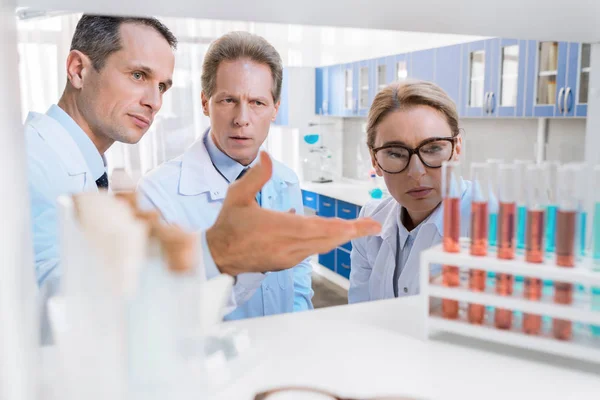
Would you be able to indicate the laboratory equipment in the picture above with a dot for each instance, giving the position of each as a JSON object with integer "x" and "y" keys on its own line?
{"x": 318, "y": 158}
{"x": 552, "y": 207}
{"x": 493, "y": 203}
{"x": 596, "y": 244}
{"x": 451, "y": 194}
{"x": 582, "y": 346}
{"x": 570, "y": 201}
{"x": 135, "y": 314}
{"x": 480, "y": 180}
{"x": 521, "y": 200}
{"x": 537, "y": 178}
{"x": 506, "y": 238}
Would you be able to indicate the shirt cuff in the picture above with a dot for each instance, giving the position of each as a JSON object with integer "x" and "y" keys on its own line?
{"x": 210, "y": 267}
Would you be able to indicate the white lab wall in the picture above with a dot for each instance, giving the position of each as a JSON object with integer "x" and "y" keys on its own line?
{"x": 509, "y": 139}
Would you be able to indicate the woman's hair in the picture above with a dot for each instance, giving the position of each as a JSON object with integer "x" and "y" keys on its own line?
{"x": 404, "y": 95}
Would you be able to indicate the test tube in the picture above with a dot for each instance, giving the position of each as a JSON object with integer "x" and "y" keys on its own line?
{"x": 538, "y": 182}
{"x": 480, "y": 190}
{"x": 493, "y": 200}
{"x": 570, "y": 199}
{"x": 596, "y": 244}
{"x": 493, "y": 211}
{"x": 451, "y": 194}
{"x": 506, "y": 238}
{"x": 521, "y": 183}
{"x": 552, "y": 207}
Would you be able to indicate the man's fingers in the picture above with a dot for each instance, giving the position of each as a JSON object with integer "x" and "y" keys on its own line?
{"x": 244, "y": 190}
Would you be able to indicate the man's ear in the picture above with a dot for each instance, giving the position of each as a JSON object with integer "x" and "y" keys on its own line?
{"x": 78, "y": 67}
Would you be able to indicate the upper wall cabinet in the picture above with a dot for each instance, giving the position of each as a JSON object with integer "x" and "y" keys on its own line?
{"x": 558, "y": 83}
{"x": 486, "y": 79}
{"x": 447, "y": 70}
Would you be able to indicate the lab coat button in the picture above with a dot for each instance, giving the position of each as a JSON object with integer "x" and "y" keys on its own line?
{"x": 405, "y": 290}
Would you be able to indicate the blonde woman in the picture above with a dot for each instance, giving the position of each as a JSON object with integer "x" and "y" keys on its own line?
{"x": 412, "y": 129}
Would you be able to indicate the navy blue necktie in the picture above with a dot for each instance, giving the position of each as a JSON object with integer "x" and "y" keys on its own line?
{"x": 258, "y": 197}
{"x": 102, "y": 182}
{"x": 242, "y": 173}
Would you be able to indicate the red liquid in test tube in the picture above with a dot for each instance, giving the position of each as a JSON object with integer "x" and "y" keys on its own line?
{"x": 451, "y": 244}
{"x": 534, "y": 253}
{"x": 566, "y": 222}
{"x": 506, "y": 251}
{"x": 479, "y": 244}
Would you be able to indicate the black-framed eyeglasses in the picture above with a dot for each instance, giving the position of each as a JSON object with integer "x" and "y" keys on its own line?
{"x": 299, "y": 393}
{"x": 395, "y": 158}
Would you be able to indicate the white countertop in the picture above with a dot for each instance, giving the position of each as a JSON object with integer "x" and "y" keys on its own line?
{"x": 376, "y": 348}
{"x": 355, "y": 192}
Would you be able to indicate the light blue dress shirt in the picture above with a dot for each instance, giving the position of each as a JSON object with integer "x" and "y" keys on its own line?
{"x": 189, "y": 191}
{"x": 61, "y": 160}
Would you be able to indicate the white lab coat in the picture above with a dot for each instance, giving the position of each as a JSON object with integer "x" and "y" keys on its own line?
{"x": 373, "y": 258}
{"x": 190, "y": 192}
{"x": 56, "y": 167}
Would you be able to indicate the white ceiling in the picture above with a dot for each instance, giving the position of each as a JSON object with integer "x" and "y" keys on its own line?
{"x": 568, "y": 20}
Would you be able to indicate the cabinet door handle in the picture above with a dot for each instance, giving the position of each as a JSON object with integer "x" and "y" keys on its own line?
{"x": 561, "y": 94}
{"x": 327, "y": 204}
{"x": 345, "y": 266}
{"x": 567, "y": 104}
{"x": 347, "y": 211}
{"x": 492, "y": 102}
{"x": 309, "y": 198}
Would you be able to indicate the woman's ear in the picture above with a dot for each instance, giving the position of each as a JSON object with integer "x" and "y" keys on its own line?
{"x": 458, "y": 147}
{"x": 378, "y": 170}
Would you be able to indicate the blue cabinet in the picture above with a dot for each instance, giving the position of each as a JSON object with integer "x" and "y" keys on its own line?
{"x": 487, "y": 78}
{"x": 422, "y": 65}
{"x": 350, "y": 79}
{"x": 347, "y": 210}
{"x": 326, "y": 207}
{"x": 309, "y": 199}
{"x": 342, "y": 263}
{"x": 328, "y": 259}
{"x": 447, "y": 70}
{"x": 322, "y": 106}
{"x": 475, "y": 95}
{"x": 284, "y": 108}
{"x": 336, "y": 90}
{"x": 364, "y": 93}
{"x": 558, "y": 84}
{"x": 547, "y": 80}
{"x": 583, "y": 77}
{"x": 509, "y": 70}
{"x": 402, "y": 67}
{"x": 577, "y": 81}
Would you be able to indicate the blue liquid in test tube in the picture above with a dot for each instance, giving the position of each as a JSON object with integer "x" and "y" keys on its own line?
{"x": 582, "y": 231}
{"x": 492, "y": 233}
{"x": 521, "y": 223}
{"x": 596, "y": 257}
{"x": 551, "y": 228}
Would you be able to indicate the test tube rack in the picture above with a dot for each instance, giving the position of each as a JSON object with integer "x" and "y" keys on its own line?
{"x": 583, "y": 346}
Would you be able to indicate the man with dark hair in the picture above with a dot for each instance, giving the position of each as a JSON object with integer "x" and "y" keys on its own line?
{"x": 117, "y": 73}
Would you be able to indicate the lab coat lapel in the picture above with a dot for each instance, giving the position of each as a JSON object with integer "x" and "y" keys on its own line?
{"x": 61, "y": 142}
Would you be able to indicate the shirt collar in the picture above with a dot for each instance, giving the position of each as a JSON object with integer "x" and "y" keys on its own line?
{"x": 227, "y": 166}
{"x": 91, "y": 155}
